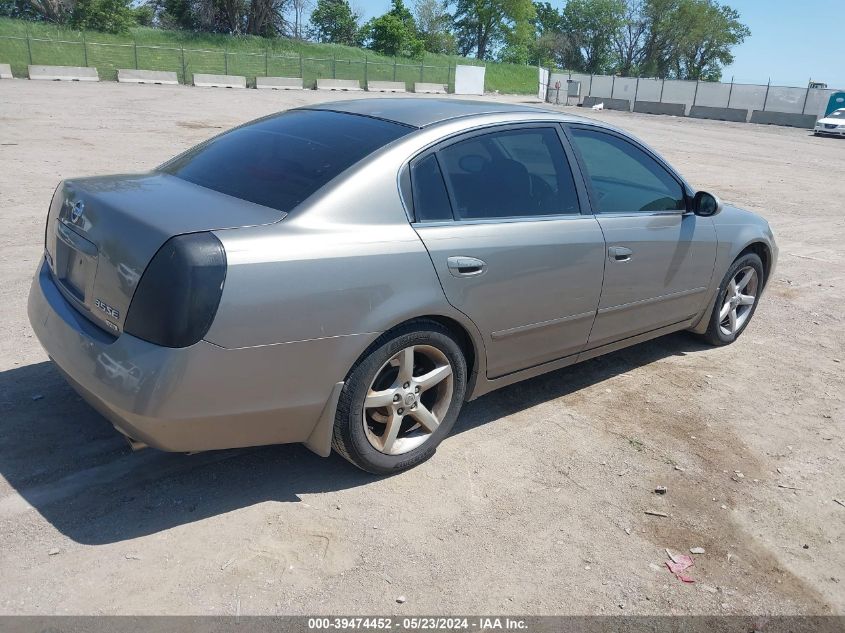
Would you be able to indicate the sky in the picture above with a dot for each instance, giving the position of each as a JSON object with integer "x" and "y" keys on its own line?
{"x": 791, "y": 41}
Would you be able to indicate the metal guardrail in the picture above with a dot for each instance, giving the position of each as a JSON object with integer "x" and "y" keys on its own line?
{"x": 108, "y": 57}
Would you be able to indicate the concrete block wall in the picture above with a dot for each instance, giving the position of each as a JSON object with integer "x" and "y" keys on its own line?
{"x": 788, "y": 100}
{"x": 602, "y": 86}
{"x": 679, "y": 92}
{"x": 649, "y": 90}
{"x": 747, "y": 97}
{"x": 625, "y": 88}
{"x": 713, "y": 95}
{"x": 722, "y": 100}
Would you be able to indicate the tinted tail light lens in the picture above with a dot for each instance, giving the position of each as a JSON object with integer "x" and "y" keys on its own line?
{"x": 177, "y": 297}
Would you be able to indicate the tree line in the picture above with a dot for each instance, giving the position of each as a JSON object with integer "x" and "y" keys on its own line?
{"x": 682, "y": 39}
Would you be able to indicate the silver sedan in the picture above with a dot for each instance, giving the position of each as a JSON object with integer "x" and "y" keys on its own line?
{"x": 347, "y": 275}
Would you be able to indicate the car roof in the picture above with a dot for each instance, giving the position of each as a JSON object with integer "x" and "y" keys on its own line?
{"x": 421, "y": 112}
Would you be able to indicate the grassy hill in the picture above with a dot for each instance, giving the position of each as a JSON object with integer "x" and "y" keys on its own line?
{"x": 22, "y": 43}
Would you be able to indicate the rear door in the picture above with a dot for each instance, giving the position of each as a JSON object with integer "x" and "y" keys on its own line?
{"x": 500, "y": 214}
{"x": 660, "y": 257}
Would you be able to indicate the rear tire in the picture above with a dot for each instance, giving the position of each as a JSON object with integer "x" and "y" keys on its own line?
{"x": 739, "y": 294}
{"x": 401, "y": 400}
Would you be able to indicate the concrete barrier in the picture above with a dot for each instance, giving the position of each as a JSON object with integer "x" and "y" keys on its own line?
{"x": 609, "y": 104}
{"x": 767, "y": 117}
{"x": 5, "y": 71}
{"x": 338, "y": 84}
{"x": 386, "y": 86}
{"x": 655, "y": 107}
{"x": 430, "y": 89}
{"x": 719, "y": 114}
{"x": 219, "y": 81}
{"x": 63, "y": 73}
{"x": 161, "y": 77}
{"x": 278, "y": 83}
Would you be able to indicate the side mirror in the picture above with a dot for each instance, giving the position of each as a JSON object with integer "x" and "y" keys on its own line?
{"x": 706, "y": 204}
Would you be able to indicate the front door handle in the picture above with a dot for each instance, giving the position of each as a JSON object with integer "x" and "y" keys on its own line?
{"x": 461, "y": 266}
{"x": 619, "y": 254}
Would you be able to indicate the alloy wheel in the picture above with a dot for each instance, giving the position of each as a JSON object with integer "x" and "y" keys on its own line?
{"x": 407, "y": 400}
{"x": 739, "y": 299}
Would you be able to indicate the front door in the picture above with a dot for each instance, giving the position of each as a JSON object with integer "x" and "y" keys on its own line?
{"x": 660, "y": 258}
{"x": 500, "y": 216}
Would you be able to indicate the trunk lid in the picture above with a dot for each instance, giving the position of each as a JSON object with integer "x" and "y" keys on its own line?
{"x": 102, "y": 232}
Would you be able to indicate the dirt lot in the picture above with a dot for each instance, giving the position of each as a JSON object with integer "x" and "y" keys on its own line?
{"x": 534, "y": 506}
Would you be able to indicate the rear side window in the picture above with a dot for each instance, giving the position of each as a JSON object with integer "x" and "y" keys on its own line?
{"x": 624, "y": 177}
{"x": 431, "y": 202}
{"x": 513, "y": 173}
{"x": 280, "y": 160}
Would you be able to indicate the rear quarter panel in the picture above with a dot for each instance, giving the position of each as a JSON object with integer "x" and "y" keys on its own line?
{"x": 345, "y": 264}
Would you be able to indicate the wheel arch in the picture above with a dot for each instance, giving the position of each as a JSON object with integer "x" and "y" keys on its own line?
{"x": 465, "y": 334}
{"x": 762, "y": 250}
{"x": 756, "y": 246}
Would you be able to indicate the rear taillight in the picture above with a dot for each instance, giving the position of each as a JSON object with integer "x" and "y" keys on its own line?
{"x": 50, "y": 210}
{"x": 178, "y": 294}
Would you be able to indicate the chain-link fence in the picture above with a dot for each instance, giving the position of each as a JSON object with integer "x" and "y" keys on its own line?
{"x": 107, "y": 58}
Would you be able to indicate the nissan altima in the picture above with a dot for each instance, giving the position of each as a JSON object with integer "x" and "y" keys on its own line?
{"x": 347, "y": 275}
{"x": 833, "y": 124}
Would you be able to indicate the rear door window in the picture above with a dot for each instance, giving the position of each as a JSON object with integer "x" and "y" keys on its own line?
{"x": 431, "y": 202}
{"x": 510, "y": 174}
{"x": 280, "y": 160}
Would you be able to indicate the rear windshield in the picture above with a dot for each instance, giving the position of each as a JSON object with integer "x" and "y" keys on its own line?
{"x": 280, "y": 160}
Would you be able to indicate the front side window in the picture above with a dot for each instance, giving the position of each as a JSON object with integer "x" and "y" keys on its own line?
{"x": 279, "y": 161}
{"x": 624, "y": 177}
{"x": 513, "y": 173}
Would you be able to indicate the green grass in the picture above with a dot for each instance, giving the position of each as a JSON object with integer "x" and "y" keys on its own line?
{"x": 155, "y": 49}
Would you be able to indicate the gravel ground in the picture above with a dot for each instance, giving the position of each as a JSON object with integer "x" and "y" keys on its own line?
{"x": 534, "y": 506}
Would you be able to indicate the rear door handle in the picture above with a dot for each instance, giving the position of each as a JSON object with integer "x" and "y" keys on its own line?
{"x": 619, "y": 253}
{"x": 461, "y": 266}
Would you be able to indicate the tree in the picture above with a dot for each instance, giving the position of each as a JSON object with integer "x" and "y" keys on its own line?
{"x": 264, "y": 17}
{"x": 629, "y": 39}
{"x": 26, "y": 10}
{"x": 334, "y": 21}
{"x": 659, "y": 41}
{"x": 174, "y": 14}
{"x": 299, "y": 8}
{"x": 57, "y": 11}
{"x": 394, "y": 33}
{"x": 705, "y": 44}
{"x": 593, "y": 24}
{"x": 111, "y": 16}
{"x": 481, "y": 25}
{"x": 553, "y": 43}
{"x": 144, "y": 15}
{"x": 689, "y": 39}
{"x": 434, "y": 25}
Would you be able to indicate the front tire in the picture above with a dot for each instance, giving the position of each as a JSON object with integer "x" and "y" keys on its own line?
{"x": 739, "y": 295}
{"x": 401, "y": 400}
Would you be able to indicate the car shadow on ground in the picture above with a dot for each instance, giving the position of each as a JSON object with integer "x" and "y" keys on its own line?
{"x": 64, "y": 460}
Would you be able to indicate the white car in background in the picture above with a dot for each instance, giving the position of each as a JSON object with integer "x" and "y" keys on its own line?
{"x": 833, "y": 124}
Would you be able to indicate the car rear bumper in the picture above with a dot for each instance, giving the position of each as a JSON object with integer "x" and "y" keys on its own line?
{"x": 196, "y": 398}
